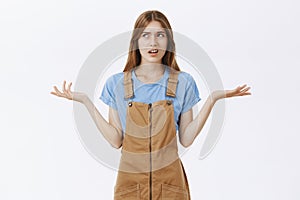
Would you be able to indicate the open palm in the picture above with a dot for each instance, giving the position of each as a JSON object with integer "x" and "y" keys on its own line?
{"x": 68, "y": 94}
{"x": 239, "y": 91}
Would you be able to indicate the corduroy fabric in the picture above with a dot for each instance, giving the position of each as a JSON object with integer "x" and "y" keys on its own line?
{"x": 150, "y": 168}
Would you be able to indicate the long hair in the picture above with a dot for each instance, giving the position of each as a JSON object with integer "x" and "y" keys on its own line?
{"x": 134, "y": 56}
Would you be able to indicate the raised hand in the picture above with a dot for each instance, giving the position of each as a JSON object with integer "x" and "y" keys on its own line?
{"x": 238, "y": 91}
{"x": 68, "y": 94}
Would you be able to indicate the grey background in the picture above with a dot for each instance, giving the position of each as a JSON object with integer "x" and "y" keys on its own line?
{"x": 43, "y": 43}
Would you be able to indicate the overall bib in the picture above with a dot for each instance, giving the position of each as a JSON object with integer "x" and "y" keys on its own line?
{"x": 150, "y": 168}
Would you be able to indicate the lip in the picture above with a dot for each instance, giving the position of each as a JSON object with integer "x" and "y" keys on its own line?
{"x": 153, "y": 50}
{"x": 153, "y": 54}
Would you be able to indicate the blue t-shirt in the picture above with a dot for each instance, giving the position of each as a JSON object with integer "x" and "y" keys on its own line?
{"x": 187, "y": 94}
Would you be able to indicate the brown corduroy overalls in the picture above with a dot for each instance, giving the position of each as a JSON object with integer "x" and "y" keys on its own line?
{"x": 150, "y": 168}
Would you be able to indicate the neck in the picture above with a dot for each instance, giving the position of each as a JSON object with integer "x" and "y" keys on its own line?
{"x": 150, "y": 69}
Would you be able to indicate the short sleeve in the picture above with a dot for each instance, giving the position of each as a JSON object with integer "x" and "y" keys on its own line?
{"x": 191, "y": 96}
{"x": 108, "y": 93}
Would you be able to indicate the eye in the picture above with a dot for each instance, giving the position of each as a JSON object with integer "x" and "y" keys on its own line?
{"x": 161, "y": 35}
{"x": 145, "y": 35}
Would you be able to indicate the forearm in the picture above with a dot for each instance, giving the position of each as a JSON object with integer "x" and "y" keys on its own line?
{"x": 194, "y": 127}
{"x": 110, "y": 133}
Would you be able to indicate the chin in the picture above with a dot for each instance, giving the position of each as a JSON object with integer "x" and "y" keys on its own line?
{"x": 157, "y": 61}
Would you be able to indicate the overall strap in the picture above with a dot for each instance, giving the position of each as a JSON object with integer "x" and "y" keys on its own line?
{"x": 172, "y": 82}
{"x": 128, "y": 87}
{"x": 171, "y": 88}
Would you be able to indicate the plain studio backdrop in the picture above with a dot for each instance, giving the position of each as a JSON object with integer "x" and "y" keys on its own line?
{"x": 255, "y": 42}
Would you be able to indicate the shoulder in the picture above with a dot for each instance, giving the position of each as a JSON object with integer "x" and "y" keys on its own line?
{"x": 114, "y": 79}
{"x": 185, "y": 78}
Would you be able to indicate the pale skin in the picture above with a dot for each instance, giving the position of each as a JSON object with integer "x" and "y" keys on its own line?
{"x": 150, "y": 70}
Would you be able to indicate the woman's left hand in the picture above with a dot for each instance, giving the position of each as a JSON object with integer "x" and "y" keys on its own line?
{"x": 238, "y": 91}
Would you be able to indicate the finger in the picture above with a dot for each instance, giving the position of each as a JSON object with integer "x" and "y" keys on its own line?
{"x": 246, "y": 89}
{"x": 64, "y": 86}
{"x": 57, "y": 91}
{"x": 54, "y": 93}
{"x": 243, "y": 94}
{"x": 69, "y": 90}
{"x": 243, "y": 86}
{"x": 69, "y": 87}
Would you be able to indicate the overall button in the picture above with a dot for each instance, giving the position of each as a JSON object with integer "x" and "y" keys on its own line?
{"x": 130, "y": 104}
{"x": 169, "y": 102}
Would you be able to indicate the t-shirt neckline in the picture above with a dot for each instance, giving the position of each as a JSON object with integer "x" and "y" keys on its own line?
{"x": 157, "y": 82}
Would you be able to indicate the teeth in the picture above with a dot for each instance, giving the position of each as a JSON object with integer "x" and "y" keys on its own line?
{"x": 153, "y": 51}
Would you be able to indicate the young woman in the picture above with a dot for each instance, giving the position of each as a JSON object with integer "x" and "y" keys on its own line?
{"x": 148, "y": 103}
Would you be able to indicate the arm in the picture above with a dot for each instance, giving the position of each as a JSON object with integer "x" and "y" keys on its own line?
{"x": 111, "y": 131}
{"x": 189, "y": 128}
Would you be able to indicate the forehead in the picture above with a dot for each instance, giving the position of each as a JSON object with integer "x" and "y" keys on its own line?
{"x": 154, "y": 26}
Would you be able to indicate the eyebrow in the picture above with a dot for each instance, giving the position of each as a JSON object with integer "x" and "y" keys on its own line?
{"x": 156, "y": 32}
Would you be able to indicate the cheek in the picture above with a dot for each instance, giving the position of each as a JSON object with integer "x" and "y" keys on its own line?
{"x": 164, "y": 44}
{"x": 140, "y": 47}
{"x": 141, "y": 44}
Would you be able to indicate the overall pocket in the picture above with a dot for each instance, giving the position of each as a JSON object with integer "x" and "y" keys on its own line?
{"x": 131, "y": 192}
{"x": 173, "y": 192}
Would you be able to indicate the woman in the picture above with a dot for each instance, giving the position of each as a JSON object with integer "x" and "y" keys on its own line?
{"x": 148, "y": 102}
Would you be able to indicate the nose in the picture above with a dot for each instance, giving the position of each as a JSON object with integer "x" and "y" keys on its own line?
{"x": 153, "y": 41}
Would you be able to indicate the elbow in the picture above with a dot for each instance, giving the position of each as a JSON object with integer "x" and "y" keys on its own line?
{"x": 116, "y": 146}
{"x": 117, "y": 143}
{"x": 185, "y": 144}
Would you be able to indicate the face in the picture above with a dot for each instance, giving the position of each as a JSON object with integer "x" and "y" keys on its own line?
{"x": 153, "y": 43}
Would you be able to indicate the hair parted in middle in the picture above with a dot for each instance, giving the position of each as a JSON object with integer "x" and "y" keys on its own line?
{"x": 134, "y": 56}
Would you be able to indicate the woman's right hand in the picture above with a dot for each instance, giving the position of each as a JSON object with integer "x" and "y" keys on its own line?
{"x": 68, "y": 94}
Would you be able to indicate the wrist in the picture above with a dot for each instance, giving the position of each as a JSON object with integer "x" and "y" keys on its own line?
{"x": 218, "y": 94}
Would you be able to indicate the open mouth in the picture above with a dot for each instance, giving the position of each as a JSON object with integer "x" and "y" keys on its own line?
{"x": 153, "y": 51}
